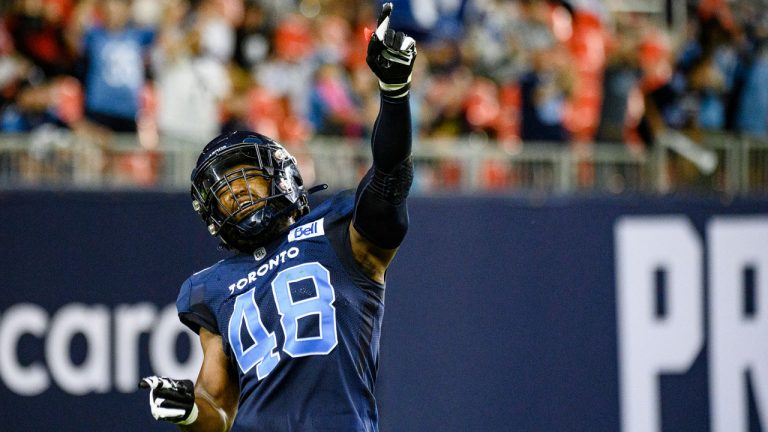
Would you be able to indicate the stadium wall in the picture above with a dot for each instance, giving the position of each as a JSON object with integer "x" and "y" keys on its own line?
{"x": 570, "y": 314}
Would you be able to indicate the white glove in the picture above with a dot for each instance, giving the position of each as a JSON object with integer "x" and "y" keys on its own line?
{"x": 171, "y": 400}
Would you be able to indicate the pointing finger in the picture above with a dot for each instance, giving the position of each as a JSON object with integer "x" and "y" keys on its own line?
{"x": 386, "y": 10}
{"x": 383, "y": 21}
{"x": 149, "y": 383}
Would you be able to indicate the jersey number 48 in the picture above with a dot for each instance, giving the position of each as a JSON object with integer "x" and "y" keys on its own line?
{"x": 262, "y": 353}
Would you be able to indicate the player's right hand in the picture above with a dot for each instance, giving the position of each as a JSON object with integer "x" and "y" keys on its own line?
{"x": 390, "y": 56}
{"x": 170, "y": 399}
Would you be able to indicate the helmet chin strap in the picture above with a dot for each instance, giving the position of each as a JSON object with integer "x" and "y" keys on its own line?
{"x": 317, "y": 188}
{"x": 265, "y": 219}
{"x": 297, "y": 204}
{"x": 254, "y": 220}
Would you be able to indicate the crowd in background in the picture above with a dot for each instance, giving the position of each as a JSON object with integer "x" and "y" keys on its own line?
{"x": 572, "y": 72}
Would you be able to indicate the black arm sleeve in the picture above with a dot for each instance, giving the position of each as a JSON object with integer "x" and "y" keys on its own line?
{"x": 391, "y": 137}
{"x": 381, "y": 214}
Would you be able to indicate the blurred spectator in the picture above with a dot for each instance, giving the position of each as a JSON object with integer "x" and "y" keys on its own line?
{"x": 216, "y": 32}
{"x": 190, "y": 78}
{"x": 253, "y": 36}
{"x": 493, "y": 45}
{"x": 20, "y": 110}
{"x": 34, "y": 63}
{"x": 752, "y": 111}
{"x": 544, "y": 91}
{"x": 582, "y": 34}
{"x": 446, "y": 89}
{"x": 331, "y": 36}
{"x": 656, "y": 85}
{"x": 288, "y": 71}
{"x": 115, "y": 53}
{"x": 708, "y": 62}
{"x": 37, "y": 29}
{"x": 534, "y": 25}
{"x": 708, "y": 92}
{"x": 620, "y": 78}
{"x": 365, "y": 88}
{"x": 333, "y": 108}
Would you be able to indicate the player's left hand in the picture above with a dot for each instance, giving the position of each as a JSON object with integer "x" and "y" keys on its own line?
{"x": 390, "y": 56}
{"x": 170, "y": 399}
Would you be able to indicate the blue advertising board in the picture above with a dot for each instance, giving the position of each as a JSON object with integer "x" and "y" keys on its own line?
{"x": 503, "y": 314}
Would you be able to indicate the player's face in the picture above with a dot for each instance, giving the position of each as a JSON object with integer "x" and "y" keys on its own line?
{"x": 241, "y": 191}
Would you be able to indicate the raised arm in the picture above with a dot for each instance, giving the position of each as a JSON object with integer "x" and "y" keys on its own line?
{"x": 208, "y": 405}
{"x": 380, "y": 219}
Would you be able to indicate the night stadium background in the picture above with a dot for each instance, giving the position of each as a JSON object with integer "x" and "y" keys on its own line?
{"x": 587, "y": 249}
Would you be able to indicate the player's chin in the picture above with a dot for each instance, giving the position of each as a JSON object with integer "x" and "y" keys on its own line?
{"x": 245, "y": 213}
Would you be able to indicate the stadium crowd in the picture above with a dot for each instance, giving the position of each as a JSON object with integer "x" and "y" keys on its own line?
{"x": 571, "y": 72}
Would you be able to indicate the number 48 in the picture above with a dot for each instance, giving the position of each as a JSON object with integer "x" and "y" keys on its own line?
{"x": 262, "y": 352}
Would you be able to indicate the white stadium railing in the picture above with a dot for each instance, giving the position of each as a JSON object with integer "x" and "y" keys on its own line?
{"x": 720, "y": 164}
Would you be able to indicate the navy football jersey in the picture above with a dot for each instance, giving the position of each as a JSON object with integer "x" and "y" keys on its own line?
{"x": 301, "y": 324}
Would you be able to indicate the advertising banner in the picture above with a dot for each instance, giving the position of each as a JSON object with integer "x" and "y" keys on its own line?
{"x": 502, "y": 314}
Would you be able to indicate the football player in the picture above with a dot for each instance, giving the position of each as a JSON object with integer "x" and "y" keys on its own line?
{"x": 290, "y": 324}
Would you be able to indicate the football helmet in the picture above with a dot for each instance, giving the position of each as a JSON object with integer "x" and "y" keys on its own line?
{"x": 243, "y": 155}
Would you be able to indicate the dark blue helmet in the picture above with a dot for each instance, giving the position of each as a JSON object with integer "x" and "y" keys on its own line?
{"x": 244, "y": 155}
